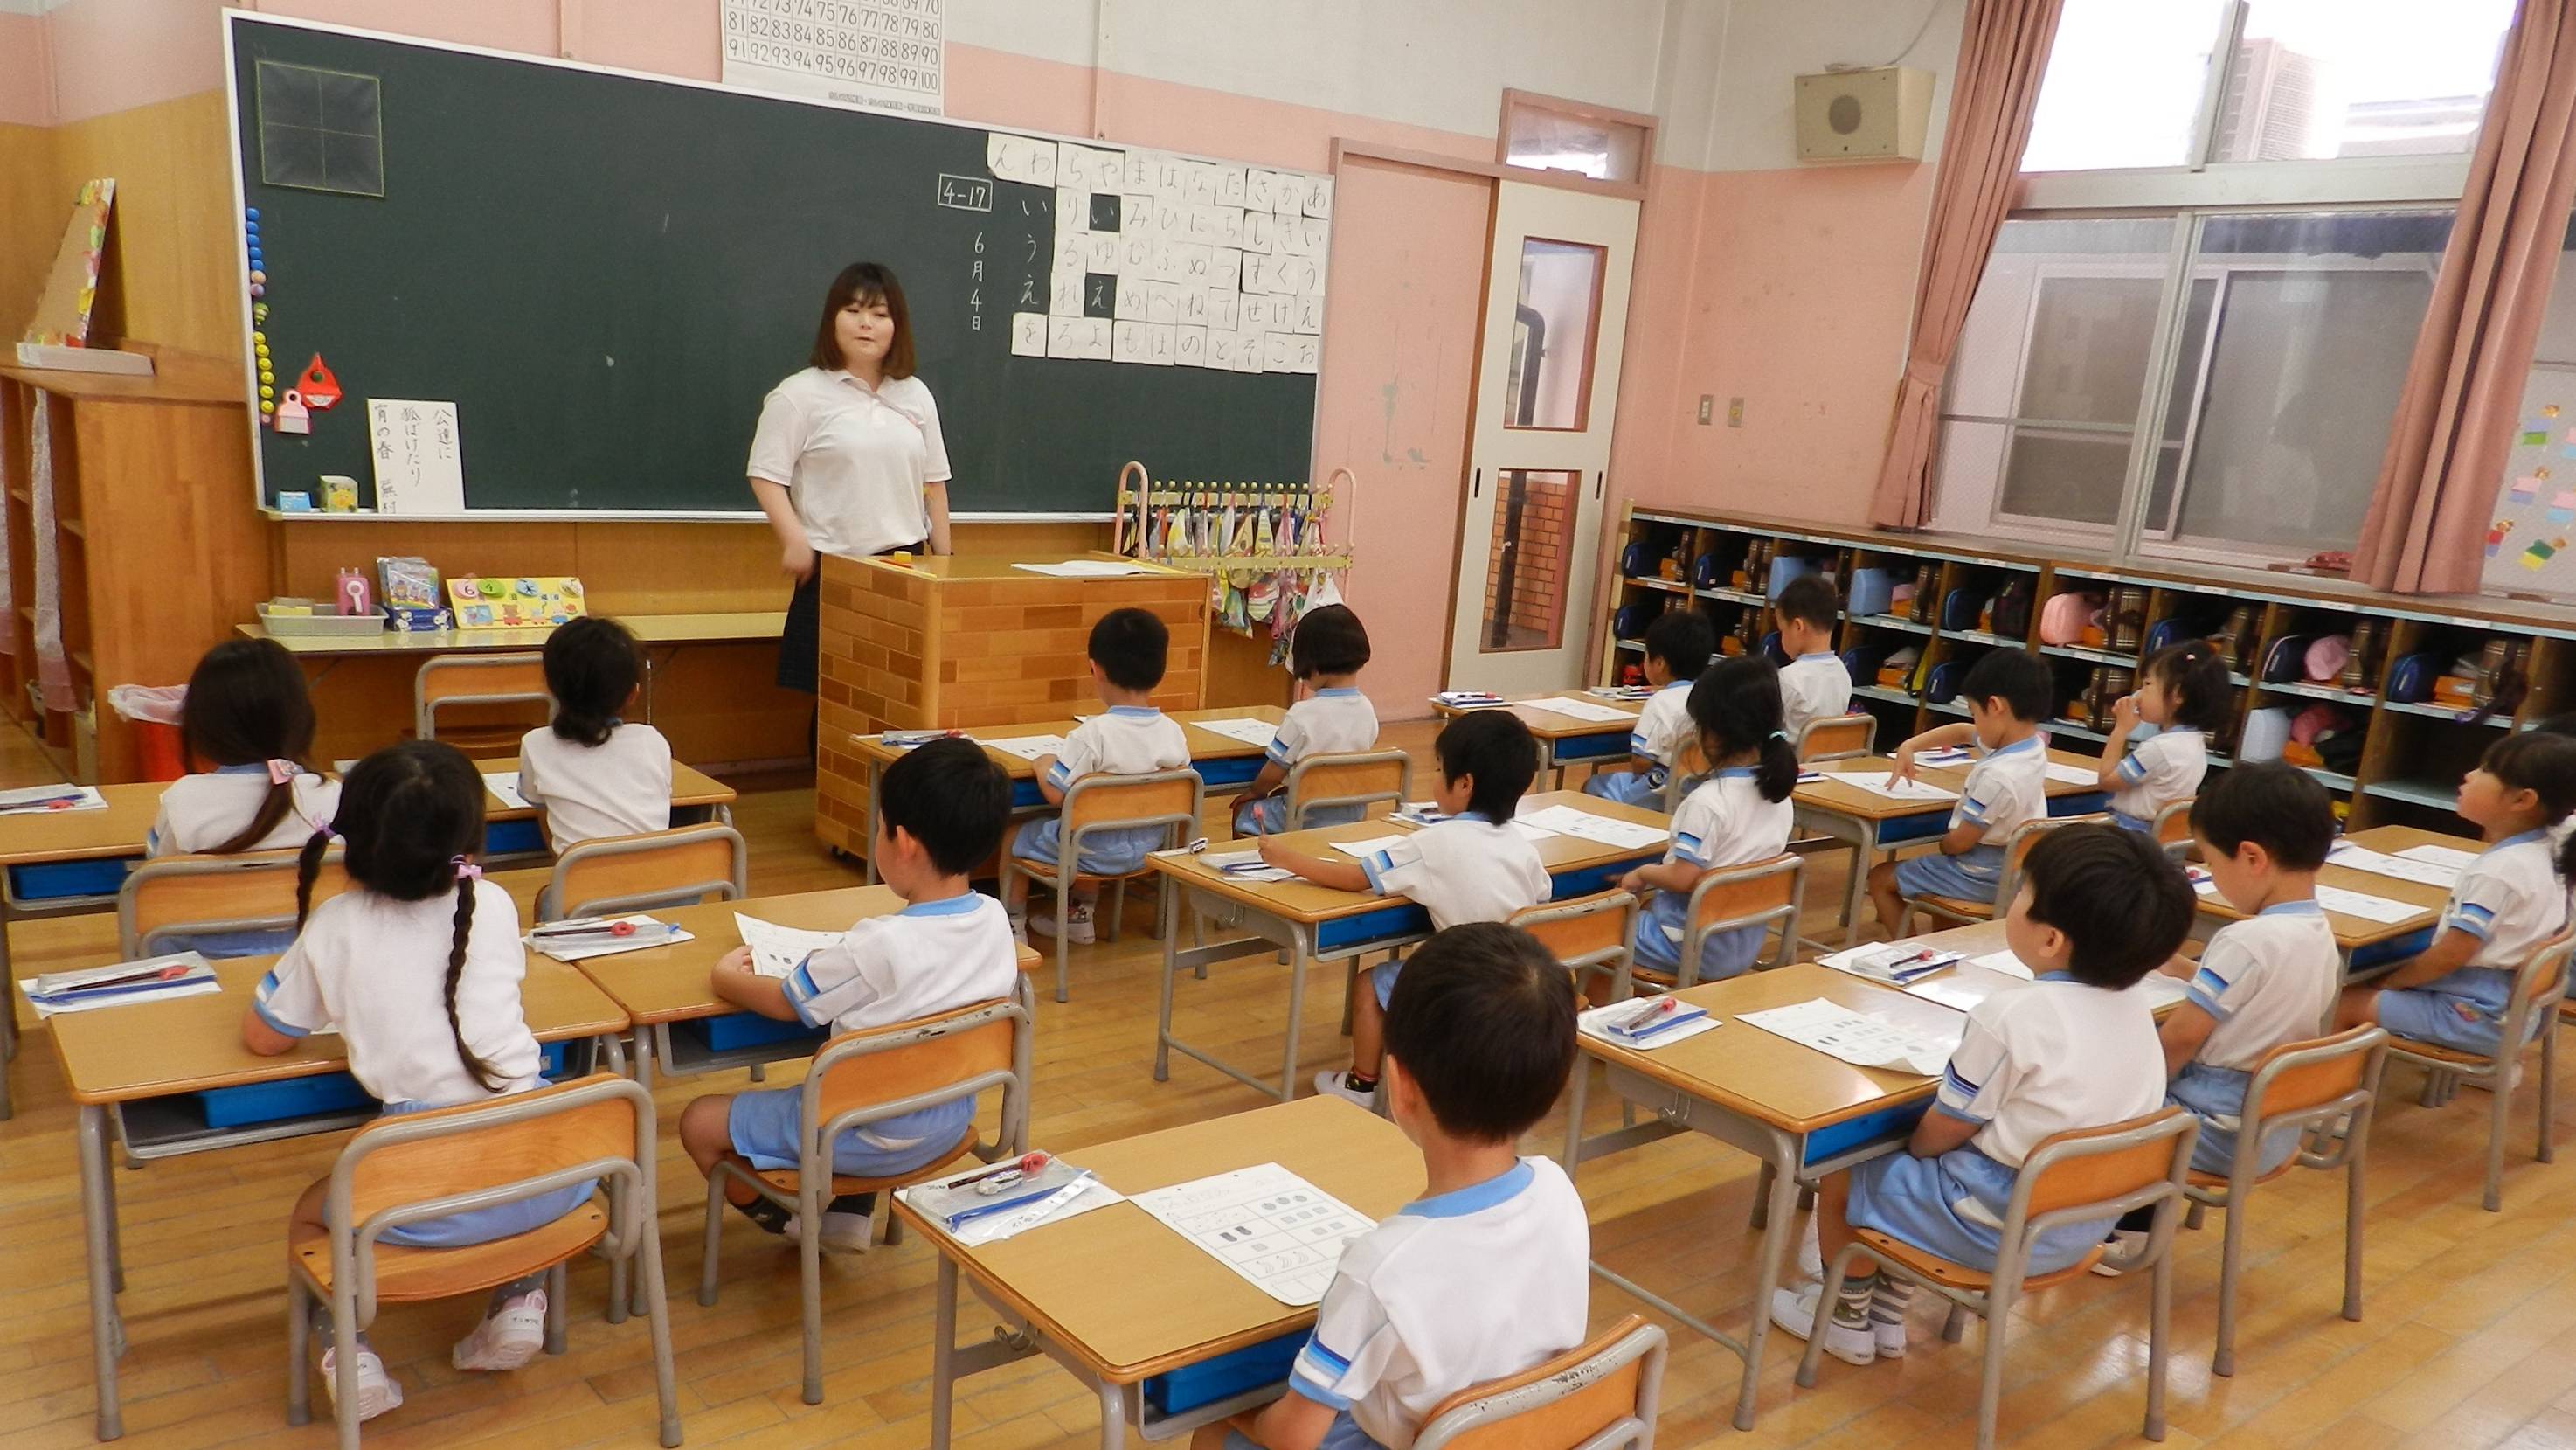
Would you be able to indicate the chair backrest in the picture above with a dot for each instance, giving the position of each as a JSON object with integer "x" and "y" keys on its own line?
{"x": 1591, "y": 1397}
{"x": 2542, "y": 977}
{"x": 449, "y": 680}
{"x": 1690, "y": 762}
{"x": 2017, "y": 850}
{"x": 1166, "y": 797}
{"x": 2173, "y": 828}
{"x": 617, "y": 874}
{"x": 881, "y": 1072}
{"x": 1733, "y": 897}
{"x": 2111, "y": 1169}
{"x": 2306, "y": 1077}
{"x": 188, "y": 896}
{"x": 1360, "y": 778}
{"x": 1586, "y": 934}
{"x": 1837, "y": 737}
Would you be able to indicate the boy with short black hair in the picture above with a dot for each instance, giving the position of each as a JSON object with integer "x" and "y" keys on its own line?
{"x": 1678, "y": 645}
{"x": 1486, "y": 1274}
{"x": 940, "y": 811}
{"x": 1814, "y": 685}
{"x": 2099, "y": 908}
{"x": 1128, "y": 648}
{"x": 1469, "y": 867}
{"x": 2007, "y": 695}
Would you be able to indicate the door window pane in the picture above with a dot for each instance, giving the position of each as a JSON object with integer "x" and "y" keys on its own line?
{"x": 1549, "y": 384}
{"x": 2124, "y": 84}
{"x": 2315, "y": 79}
{"x": 1547, "y": 137}
{"x": 1530, "y": 558}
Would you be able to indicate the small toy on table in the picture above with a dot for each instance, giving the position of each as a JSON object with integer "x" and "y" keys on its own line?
{"x": 516, "y": 603}
{"x": 407, "y": 591}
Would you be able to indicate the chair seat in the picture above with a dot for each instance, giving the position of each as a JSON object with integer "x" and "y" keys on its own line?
{"x": 2422, "y": 1051}
{"x": 409, "y": 1275}
{"x": 1958, "y": 906}
{"x": 783, "y": 1180}
{"x": 2198, "y": 1179}
{"x": 1959, "y": 1276}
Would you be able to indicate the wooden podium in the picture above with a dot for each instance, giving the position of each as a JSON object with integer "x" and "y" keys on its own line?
{"x": 968, "y": 642}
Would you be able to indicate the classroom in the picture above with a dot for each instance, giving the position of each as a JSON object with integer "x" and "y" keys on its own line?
{"x": 1470, "y": 723}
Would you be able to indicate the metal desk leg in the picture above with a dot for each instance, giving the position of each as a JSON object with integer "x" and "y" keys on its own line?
{"x": 1171, "y": 965}
{"x": 98, "y": 1213}
{"x": 943, "y": 1348}
{"x": 1864, "y": 839}
{"x": 1113, "y": 1416}
{"x": 1782, "y": 1170}
{"x": 618, "y": 1264}
{"x": 1300, "y": 960}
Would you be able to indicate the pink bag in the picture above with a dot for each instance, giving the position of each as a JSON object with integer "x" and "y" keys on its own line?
{"x": 2326, "y": 657}
{"x": 2062, "y": 620}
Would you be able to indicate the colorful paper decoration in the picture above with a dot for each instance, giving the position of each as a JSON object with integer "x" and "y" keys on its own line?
{"x": 319, "y": 387}
{"x": 2495, "y": 536}
{"x": 62, "y": 314}
{"x": 506, "y": 603}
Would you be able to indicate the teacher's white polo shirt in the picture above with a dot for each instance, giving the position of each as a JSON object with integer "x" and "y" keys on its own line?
{"x": 854, "y": 458}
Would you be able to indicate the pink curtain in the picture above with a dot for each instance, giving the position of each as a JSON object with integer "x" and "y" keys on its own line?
{"x": 2446, "y": 450}
{"x": 2003, "y": 52}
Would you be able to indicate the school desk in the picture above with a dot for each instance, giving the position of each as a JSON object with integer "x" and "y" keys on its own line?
{"x": 1872, "y": 823}
{"x": 1564, "y": 739}
{"x": 137, "y": 1072}
{"x": 667, "y": 633}
{"x": 2370, "y": 946}
{"x": 1227, "y": 765}
{"x": 1318, "y": 924}
{"x": 1116, "y": 1298}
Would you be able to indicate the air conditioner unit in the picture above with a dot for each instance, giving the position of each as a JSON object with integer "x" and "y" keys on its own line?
{"x": 1864, "y": 115}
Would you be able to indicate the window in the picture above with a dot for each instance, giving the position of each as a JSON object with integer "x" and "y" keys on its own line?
{"x": 2124, "y": 84}
{"x": 1550, "y": 382}
{"x": 1546, "y": 134}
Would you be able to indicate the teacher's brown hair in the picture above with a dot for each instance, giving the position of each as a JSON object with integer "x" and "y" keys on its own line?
{"x": 859, "y": 284}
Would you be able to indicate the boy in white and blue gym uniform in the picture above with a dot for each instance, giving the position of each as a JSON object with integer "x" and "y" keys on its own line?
{"x": 1326, "y": 655}
{"x": 1487, "y": 1273}
{"x": 1128, "y": 649}
{"x": 1678, "y": 645}
{"x": 2099, "y": 908}
{"x": 940, "y": 812}
{"x": 2007, "y": 694}
{"x": 1469, "y": 867}
{"x": 1814, "y": 684}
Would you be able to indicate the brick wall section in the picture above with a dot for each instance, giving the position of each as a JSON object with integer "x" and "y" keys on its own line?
{"x": 1539, "y": 583}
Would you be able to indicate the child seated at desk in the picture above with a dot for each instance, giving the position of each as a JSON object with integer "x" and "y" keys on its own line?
{"x": 2509, "y": 900}
{"x": 1678, "y": 645}
{"x": 2263, "y": 831}
{"x": 2099, "y": 908}
{"x": 2184, "y": 694}
{"x": 1128, "y": 648}
{"x": 594, "y": 774}
{"x": 1739, "y": 815}
{"x": 2006, "y": 692}
{"x": 418, "y": 965}
{"x": 1471, "y": 866}
{"x": 247, "y": 715}
{"x": 1326, "y": 655}
{"x": 1488, "y": 1272}
{"x": 940, "y": 813}
{"x": 1815, "y": 684}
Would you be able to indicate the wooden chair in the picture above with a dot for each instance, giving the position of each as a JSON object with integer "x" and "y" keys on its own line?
{"x": 2327, "y": 1088}
{"x": 866, "y": 1077}
{"x": 1959, "y": 911}
{"x": 1835, "y": 737}
{"x": 169, "y": 899}
{"x": 1689, "y": 765}
{"x": 2538, "y": 986}
{"x": 1169, "y": 799}
{"x": 2073, "y": 1177}
{"x": 1598, "y": 1396}
{"x": 614, "y": 875}
{"x": 449, "y": 682}
{"x": 1363, "y": 778}
{"x": 1589, "y": 936}
{"x": 1731, "y": 898}
{"x": 417, "y": 1166}
{"x": 2172, "y": 829}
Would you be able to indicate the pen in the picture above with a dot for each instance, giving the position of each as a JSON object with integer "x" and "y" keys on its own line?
{"x": 1648, "y": 1013}
{"x": 1030, "y": 1162}
{"x": 145, "y": 977}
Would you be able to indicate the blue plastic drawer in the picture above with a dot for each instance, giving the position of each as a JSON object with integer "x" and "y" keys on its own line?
{"x": 1868, "y": 1128}
{"x": 1567, "y": 885}
{"x": 330, "y": 1092}
{"x": 60, "y": 880}
{"x": 1902, "y": 829}
{"x": 1249, "y": 1368}
{"x": 1025, "y": 793}
{"x": 2395, "y": 949}
{"x": 1593, "y": 747}
{"x": 2079, "y": 805}
{"x": 750, "y": 1029}
{"x": 514, "y": 838}
{"x": 1398, "y": 917}
{"x": 1231, "y": 770}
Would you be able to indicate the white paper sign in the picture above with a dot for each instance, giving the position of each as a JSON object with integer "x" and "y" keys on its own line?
{"x": 419, "y": 456}
{"x": 887, "y": 54}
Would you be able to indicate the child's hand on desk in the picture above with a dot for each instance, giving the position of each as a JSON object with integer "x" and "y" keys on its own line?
{"x": 736, "y": 961}
{"x": 1270, "y": 854}
{"x": 1634, "y": 882}
{"x": 1904, "y": 767}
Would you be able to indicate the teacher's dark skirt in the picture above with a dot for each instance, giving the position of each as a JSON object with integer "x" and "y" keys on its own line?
{"x": 799, "y": 643}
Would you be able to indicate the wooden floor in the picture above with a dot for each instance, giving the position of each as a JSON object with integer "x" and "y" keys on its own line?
{"x": 2469, "y": 1339}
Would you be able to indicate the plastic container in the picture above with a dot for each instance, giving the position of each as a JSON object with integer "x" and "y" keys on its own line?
{"x": 1249, "y": 1368}
{"x": 153, "y": 711}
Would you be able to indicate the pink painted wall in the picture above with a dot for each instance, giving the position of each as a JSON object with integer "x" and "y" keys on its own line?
{"x": 26, "y": 91}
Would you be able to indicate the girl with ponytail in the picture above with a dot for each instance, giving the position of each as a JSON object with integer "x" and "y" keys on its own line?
{"x": 594, "y": 774}
{"x": 2182, "y": 698}
{"x": 418, "y": 965}
{"x": 1739, "y": 814}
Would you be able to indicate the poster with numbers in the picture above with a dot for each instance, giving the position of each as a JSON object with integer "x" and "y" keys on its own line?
{"x": 888, "y": 54}
{"x": 2535, "y": 510}
{"x": 1164, "y": 260}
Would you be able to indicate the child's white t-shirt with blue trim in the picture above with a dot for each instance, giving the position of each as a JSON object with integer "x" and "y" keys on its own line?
{"x": 1462, "y": 869}
{"x": 2004, "y": 788}
{"x": 2269, "y": 979}
{"x": 1124, "y": 740}
{"x": 1663, "y": 726}
{"x": 2050, "y": 1056}
{"x": 200, "y": 812}
{"x": 2511, "y": 900}
{"x": 2163, "y": 768}
{"x": 619, "y": 787}
{"x": 1813, "y": 687}
{"x": 1723, "y": 822}
{"x": 1452, "y": 1291}
{"x": 1329, "y": 722}
{"x": 931, "y": 957}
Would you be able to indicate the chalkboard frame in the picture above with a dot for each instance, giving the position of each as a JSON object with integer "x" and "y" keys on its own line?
{"x": 232, "y": 19}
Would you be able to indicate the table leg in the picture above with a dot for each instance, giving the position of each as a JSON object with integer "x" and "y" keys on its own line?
{"x": 651, "y": 1216}
{"x": 1864, "y": 839}
{"x": 1778, "y": 1208}
{"x": 98, "y": 1212}
{"x": 1113, "y": 1416}
{"x": 943, "y": 1352}
{"x": 1171, "y": 968}
{"x": 1300, "y": 959}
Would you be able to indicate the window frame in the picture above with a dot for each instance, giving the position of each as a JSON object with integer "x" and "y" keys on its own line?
{"x": 1517, "y": 101}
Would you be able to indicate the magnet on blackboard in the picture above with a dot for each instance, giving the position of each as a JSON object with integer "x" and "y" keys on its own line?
{"x": 320, "y": 388}
{"x": 291, "y": 416}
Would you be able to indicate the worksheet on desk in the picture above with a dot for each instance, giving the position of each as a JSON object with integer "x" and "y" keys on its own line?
{"x": 2074, "y": 774}
{"x": 1243, "y": 728}
{"x": 778, "y": 950}
{"x": 2417, "y": 869}
{"x": 504, "y": 786}
{"x": 1859, "y": 1038}
{"x": 1605, "y": 830}
{"x": 1877, "y": 781}
{"x": 2366, "y": 906}
{"x": 1281, "y": 1233}
{"x": 1030, "y": 748}
{"x": 1580, "y": 709}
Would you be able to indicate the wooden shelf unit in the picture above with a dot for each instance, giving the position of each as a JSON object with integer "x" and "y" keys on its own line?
{"x": 2412, "y": 754}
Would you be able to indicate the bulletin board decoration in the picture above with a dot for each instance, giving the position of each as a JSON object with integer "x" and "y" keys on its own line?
{"x": 2534, "y": 522}
{"x": 63, "y": 309}
{"x": 1262, "y": 545}
{"x": 496, "y": 603}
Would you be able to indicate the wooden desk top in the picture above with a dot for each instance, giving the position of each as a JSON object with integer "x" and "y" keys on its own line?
{"x": 182, "y": 1044}
{"x": 690, "y": 787}
{"x": 669, "y": 984}
{"x": 2361, "y": 931}
{"x": 1844, "y": 800}
{"x": 1129, "y": 1298}
{"x": 1204, "y": 744}
{"x": 1305, "y": 901}
{"x": 650, "y": 629}
{"x": 1004, "y": 568}
{"x": 1548, "y": 725}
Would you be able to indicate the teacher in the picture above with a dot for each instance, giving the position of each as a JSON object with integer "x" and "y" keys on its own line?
{"x": 848, "y": 459}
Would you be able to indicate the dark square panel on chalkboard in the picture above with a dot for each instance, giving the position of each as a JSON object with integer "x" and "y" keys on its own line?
{"x": 321, "y": 130}
{"x": 1099, "y": 295}
{"x": 1104, "y": 211}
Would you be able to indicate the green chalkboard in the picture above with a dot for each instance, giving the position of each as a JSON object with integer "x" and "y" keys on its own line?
{"x": 607, "y": 273}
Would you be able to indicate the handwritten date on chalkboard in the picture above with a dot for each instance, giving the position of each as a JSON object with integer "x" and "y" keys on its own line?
{"x": 965, "y": 193}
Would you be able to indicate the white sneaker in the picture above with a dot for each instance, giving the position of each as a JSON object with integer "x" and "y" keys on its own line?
{"x": 843, "y": 1233}
{"x": 1887, "y": 1336}
{"x": 1795, "y": 1311}
{"x": 1076, "y": 926}
{"x": 2119, "y": 1251}
{"x": 507, "y": 1338}
{"x": 2513, "y": 1081}
{"x": 1337, "y": 1084}
{"x": 377, "y": 1391}
{"x": 1020, "y": 927}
